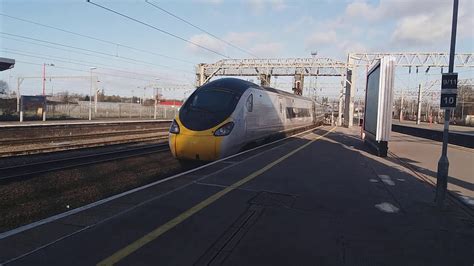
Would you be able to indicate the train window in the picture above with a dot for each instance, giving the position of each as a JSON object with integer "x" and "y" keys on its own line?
{"x": 213, "y": 100}
{"x": 292, "y": 112}
{"x": 208, "y": 107}
{"x": 249, "y": 103}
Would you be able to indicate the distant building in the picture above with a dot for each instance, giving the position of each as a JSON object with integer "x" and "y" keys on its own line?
{"x": 170, "y": 102}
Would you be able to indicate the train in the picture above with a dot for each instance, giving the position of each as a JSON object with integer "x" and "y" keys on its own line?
{"x": 226, "y": 115}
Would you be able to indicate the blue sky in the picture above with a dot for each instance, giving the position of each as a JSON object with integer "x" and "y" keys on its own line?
{"x": 266, "y": 28}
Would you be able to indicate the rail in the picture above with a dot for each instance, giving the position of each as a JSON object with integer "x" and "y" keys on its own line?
{"x": 18, "y": 172}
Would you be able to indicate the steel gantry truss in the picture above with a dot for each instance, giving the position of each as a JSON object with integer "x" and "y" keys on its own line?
{"x": 437, "y": 83}
{"x": 316, "y": 66}
{"x": 266, "y": 68}
{"x": 270, "y": 67}
{"x": 413, "y": 59}
{"x": 433, "y": 88}
{"x": 409, "y": 60}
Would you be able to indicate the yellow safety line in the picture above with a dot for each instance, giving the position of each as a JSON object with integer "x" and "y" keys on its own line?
{"x": 124, "y": 252}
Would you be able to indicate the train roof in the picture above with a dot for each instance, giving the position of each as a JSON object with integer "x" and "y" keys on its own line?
{"x": 240, "y": 86}
{"x": 283, "y": 92}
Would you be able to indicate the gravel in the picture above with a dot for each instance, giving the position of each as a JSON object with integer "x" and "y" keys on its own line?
{"x": 52, "y": 193}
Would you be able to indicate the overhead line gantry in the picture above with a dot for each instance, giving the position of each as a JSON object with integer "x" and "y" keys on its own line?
{"x": 316, "y": 66}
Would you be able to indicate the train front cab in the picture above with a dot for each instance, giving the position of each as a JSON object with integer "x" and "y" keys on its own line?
{"x": 196, "y": 145}
{"x": 203, "y": 124}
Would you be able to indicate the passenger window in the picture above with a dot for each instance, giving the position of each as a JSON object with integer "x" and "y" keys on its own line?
{"x": 249, "y": 103}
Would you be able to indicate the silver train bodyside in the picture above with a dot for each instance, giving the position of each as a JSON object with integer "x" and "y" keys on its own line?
{"x": 259, "y": 113}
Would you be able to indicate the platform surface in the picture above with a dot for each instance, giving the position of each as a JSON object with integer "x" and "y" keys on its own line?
{"x": 423, "y": 156}
{"x": 318, "y": 199}
{"x": 438, "y": 127}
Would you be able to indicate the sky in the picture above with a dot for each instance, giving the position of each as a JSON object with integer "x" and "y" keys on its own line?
{"x": 129, "y": 56}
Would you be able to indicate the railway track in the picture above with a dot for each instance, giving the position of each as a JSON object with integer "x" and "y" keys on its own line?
{"x": 19, "y": 172}
{"x": 66, "y": 146}
{"x": 52, "y": 139}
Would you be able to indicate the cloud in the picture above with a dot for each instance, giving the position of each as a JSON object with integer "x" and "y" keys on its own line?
{"x": 433, "y": 27}
{"x": 466, "y": 20}
{"x": 394, "y": 8}
{"x": 349, "y": 46}
{"x": 278, "y": 5}
{"x": 409, "y": 23}
{"x": 256, "y": 43}
{"x": 241, "y": 38}
{"x": 360, "y": 9}
{"x": 212, "y": 2}
{"x": 258, "y": 6}
{"x": 301, "y": 23}
{"x": 421, "y": 30}
{"x": 267, "y": 49}
{"x": 332, "y": 44}
{"x": 318, "y": 38}
{"x": 206, "y": 41}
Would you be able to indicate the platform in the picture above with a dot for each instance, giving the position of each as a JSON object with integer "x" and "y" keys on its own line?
{"x": 422, "y": 155}
{"x": 438, "y": 127}
{"x": 316, "y": 199}
{"x": 458, "y": 135}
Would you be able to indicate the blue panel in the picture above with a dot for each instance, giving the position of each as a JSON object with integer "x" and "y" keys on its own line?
{"x": 372, "y": 102}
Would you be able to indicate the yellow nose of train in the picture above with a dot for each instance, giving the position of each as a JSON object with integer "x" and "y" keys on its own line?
{"x": 194, "y": 145}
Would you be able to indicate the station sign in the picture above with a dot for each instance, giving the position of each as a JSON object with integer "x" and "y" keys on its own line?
{"x": 449, "y": 90}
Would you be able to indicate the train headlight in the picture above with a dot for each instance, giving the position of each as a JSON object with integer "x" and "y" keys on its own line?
{"x": 174, "y": 128}
{"x": 225, "y": 129}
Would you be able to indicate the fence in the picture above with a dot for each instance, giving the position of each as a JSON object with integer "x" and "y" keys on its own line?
{"x": 80, "y": 110}
{"x": 110, "y": 110}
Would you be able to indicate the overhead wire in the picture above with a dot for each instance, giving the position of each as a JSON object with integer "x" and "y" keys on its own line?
{"x": 85, "y": 71}
{"x": 199, "y": 28}
{"x": 96, "y": 39}
{"x": 80, "y": 62}
{"x": 94, "y": 51}
{"x": 97, "y": 72}
{"x": 158, "y": 29}
{"x": 78, "y": 52}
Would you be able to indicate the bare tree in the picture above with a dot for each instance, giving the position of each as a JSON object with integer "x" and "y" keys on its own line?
{"x": 4, "y": 87}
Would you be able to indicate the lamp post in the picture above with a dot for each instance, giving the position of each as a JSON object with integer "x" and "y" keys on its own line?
{"x": 44, "y": 89}
{"x": 314, "y": 88}
{"x": 156, "y": 97}
{"x": 139, "y": 103}
{"x": 90, "y": 96}
{"x": 95, "y": 97}
{"x": 44, "y": 77}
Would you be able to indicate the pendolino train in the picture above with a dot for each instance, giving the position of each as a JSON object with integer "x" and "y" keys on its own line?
{"x": 223, "y": 116}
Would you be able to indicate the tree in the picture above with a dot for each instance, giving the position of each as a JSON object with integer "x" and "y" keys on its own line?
{"x": 65, "y": 97}
{"x": 4, "y": 87}
{"x": 325, "y": 100}
{"x": 465, "y": 101}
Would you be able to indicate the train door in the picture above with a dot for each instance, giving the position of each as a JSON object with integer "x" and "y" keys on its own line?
{"x": 281, "y": 111}
{"x": 250, "y": 118}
